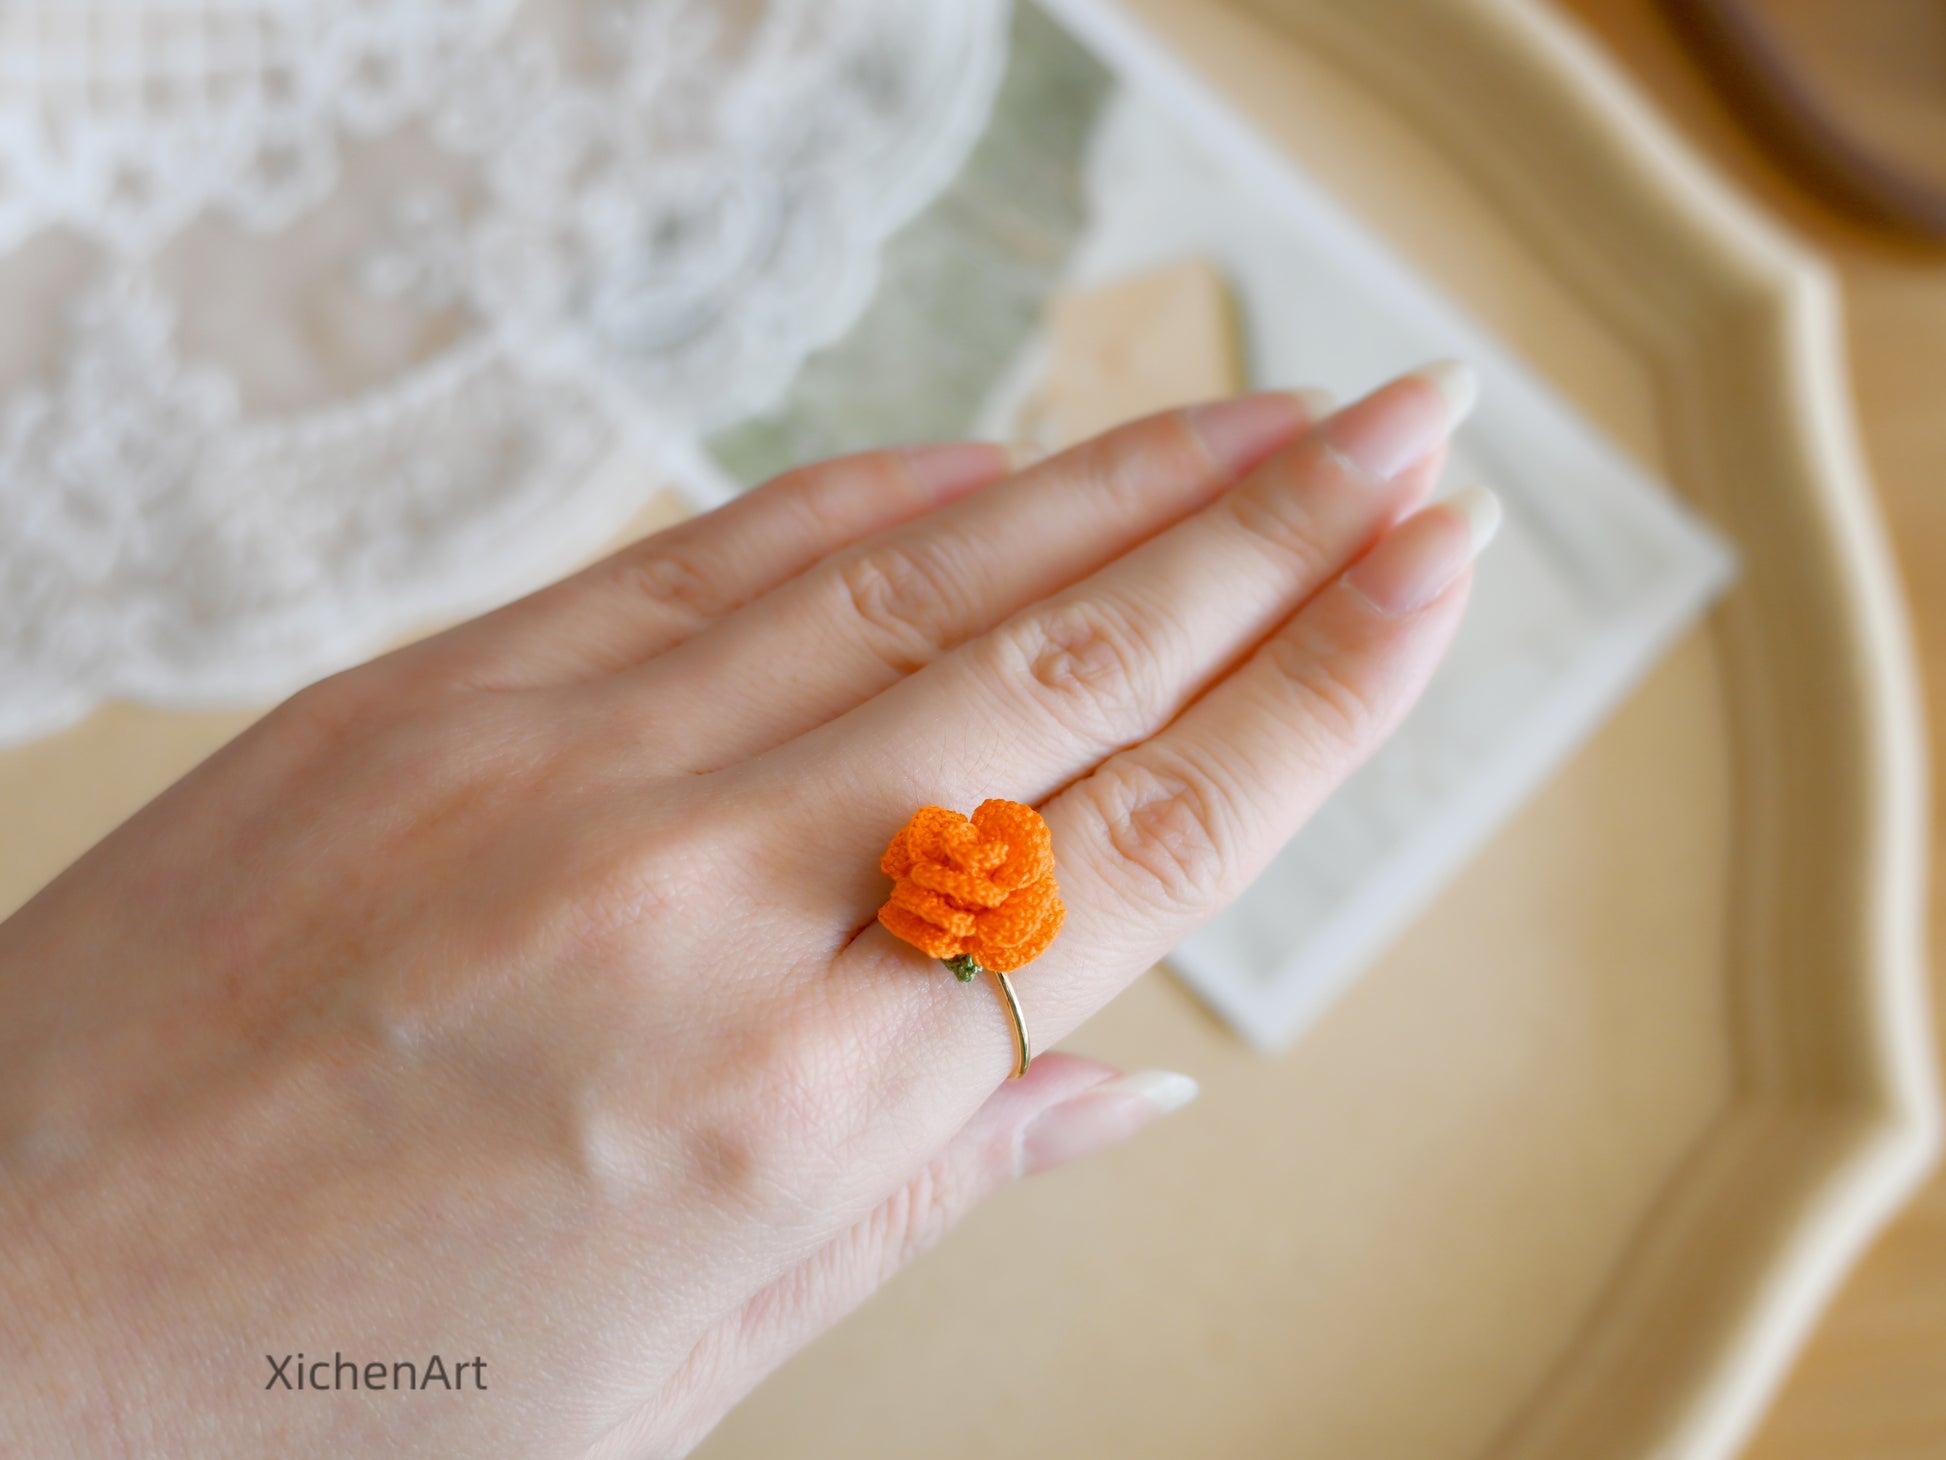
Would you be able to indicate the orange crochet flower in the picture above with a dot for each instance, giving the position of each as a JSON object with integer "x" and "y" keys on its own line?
{"x": 976, "y": 893}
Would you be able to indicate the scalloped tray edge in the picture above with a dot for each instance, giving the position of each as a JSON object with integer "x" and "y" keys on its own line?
{"x": 1771, "y": 1221}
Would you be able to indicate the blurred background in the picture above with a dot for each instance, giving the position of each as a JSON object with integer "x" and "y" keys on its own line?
{"x": 1839, "y": 131}
{"x": 1574, "y": 1068}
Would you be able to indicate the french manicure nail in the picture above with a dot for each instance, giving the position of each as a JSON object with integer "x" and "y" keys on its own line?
{"x": 1458, "y": 385}
{"x": 1316, "y": 402}
{"x": 1391, "y": 430}
{"x": 1244, "y": 429}
{"x": 1481, "y": 510}
{"x": 1424, "y": 555}
{"x": 1165, "y": 1091}
{"x": 1102, "y": 1117}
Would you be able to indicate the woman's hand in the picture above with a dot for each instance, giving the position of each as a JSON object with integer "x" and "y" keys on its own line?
{"x": 517, "y": 997}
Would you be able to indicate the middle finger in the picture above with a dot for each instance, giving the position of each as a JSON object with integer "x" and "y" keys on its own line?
{"x": 1046, "y": 696}
{"x": 866, "y": 617}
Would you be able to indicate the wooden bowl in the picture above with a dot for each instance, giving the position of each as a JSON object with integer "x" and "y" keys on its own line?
{"x": 1572, "y": 1171}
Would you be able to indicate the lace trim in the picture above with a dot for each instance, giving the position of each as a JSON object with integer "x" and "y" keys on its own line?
{"x": 615, "y": 242}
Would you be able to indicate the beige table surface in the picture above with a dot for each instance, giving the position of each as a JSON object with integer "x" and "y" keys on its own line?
{"x": 1872, "y": 1385}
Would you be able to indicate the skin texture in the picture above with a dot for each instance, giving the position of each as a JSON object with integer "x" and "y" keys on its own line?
{"x": 519, "y": 995}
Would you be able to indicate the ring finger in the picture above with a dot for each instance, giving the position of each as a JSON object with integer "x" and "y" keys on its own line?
{"x": 1045, "y": 697}
{"x": 1164, "y": 834}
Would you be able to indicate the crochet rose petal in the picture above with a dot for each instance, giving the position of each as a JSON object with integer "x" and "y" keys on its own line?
{"x": 936, "y": 910}
{"x": 982, "y": 886}
{"x": 1005, "y": 958}
{"x": 1030, "y": 846}
{"x": 921, "y": 838}
{"x": 903, "y": 923}
{"x": 1019, "y": 931}
{"x": 1020, "y": 918}
{"x": 970, "y": 890}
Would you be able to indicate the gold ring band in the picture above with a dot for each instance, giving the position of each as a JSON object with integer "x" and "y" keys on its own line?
{"x": 965, "y": 885}
{"x": 1012, "y": 1001}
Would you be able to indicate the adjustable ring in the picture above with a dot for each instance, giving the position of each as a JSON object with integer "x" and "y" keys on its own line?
{"x": 1012, "y": 1001}
{"x": 978, "y": 894}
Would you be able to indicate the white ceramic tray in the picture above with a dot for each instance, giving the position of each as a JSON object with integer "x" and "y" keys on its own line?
{"x": 1572, "y": 1170}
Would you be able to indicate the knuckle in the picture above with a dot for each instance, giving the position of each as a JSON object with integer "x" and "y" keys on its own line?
{"x": 732, "y": 1164}
{"x": 905, "y": 597}
{"x": 1090, "y": 667}
{"x": 1274, "y": 514}
{"x": 1126, "y": 465}
{"x": 740, "y": 1162}
{"x": 771, "y": 1128}
{"x": 803, "y": 1082}
{"x": 824, "y": 499}
{"x": 323, "y": 711}
{"x": 796, "y": 1080}
{"x": 665, "y": 575}
{"x": 632, "y": 896}
{"x": 338, "y": 711}
{"x": 1167, "y": 821}
{"x": 1338, "y": 708}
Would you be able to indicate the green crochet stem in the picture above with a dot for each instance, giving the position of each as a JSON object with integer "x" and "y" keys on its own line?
{"x": 965, "y": 967}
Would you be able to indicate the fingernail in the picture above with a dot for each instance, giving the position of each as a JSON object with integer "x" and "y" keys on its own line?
{"x": 1315, "y": 401}
{"x": 1102, "y": 1117}
{"x": 956, "y": 468}
{"x": 1393, "y": 428}
{"x": 1245, "y": 429}
{"x": 1458, "y": 385}
{"x": 1423, "y": 556}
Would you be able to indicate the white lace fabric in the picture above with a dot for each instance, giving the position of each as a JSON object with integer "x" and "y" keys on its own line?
{"x": 328, "y": 313}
